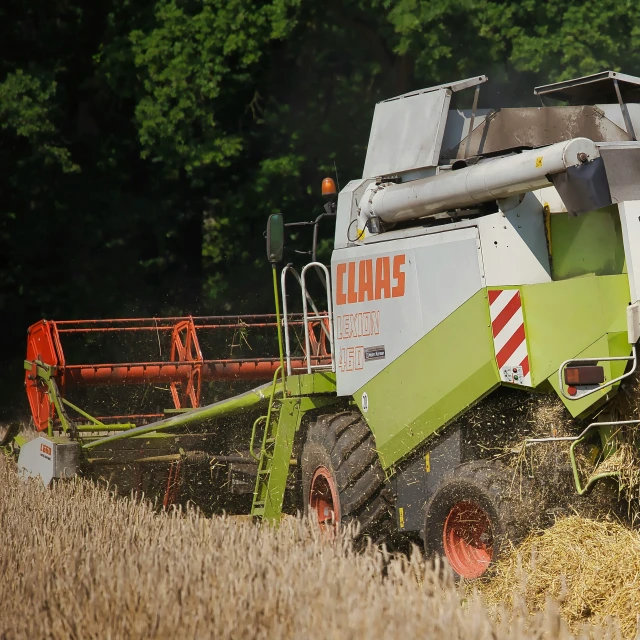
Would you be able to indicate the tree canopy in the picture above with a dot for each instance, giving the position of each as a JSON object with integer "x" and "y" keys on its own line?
{"x": 145, "y": 142}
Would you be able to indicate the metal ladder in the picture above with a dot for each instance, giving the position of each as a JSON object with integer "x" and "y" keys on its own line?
{"x": 284, "y": 414}
{"x": 261, "y": 505}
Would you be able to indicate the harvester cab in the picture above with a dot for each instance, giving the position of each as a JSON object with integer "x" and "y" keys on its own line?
{"x": 485, "y": 258}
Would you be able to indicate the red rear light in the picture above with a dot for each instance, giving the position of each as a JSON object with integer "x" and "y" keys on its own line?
{"x": 584, "y": 375}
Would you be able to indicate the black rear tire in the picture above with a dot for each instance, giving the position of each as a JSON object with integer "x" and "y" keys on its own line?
{"x": 476, "y": 515}
{"x": 342, "y": 479}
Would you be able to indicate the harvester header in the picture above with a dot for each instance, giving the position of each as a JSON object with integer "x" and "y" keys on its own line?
{"x": 179, "y": 363}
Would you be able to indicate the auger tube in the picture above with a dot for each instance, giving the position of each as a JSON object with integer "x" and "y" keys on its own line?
{"x": 486, "y": 181}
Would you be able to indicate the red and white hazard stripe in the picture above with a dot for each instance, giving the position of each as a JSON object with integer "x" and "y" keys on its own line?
{"x": 509, "y": 337}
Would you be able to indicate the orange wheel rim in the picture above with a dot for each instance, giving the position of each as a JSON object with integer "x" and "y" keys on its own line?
{"x": 323, "y": 498}
{"x": 468, "y": 539}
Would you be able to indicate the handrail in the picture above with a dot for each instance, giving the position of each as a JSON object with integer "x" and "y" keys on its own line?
{"x": 305, "y": 296}
{"x": 574, "y": 463}
{"x": 285, "y": 313}
{"x": 632, "y": 357}
{"x": 253, "y": 436}
{"x": 305, "y": 313}
{"x": 576, "y": 440}
{"x": 266, "y": 418}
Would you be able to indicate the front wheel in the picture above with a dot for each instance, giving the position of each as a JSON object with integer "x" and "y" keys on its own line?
{"x": 342, "y": 479}
{"x": 475, "y": 516}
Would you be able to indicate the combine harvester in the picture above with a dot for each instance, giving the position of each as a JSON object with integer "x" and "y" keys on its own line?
{"x": 480, "y": 249}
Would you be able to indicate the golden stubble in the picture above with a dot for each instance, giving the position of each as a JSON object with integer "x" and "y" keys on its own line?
{"x": 79, "y": 562}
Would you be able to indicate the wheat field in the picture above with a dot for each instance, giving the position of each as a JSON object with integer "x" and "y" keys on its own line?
{"x": 79, "y": 562}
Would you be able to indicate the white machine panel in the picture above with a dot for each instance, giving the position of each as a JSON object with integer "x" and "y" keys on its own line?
{"x": 37, "y": 458}
{"x": 347, "y": 211}
{"x": 514, "y": 245}
{"x": 406, "y": 133}
{"x": 630, "y": 222}
{"x": 386, "y": 296}
{"x": 549, "y": 196}
{"x": 47, "y": 459}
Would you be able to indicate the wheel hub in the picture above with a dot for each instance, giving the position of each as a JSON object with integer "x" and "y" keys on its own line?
{"x": 468, "y": 539}
{"x": 323, "y": 498}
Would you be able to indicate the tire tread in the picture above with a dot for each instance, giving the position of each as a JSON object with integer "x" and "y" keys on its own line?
{"x": 349, "y": 447}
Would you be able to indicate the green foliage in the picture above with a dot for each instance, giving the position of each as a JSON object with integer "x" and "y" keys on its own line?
{"x": 26, "y": 103}
{"x": 195, "y": 60}
{"x": 556, "y": 40}
{"x": 566, "y": 39}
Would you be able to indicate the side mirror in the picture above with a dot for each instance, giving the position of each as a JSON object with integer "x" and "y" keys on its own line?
{"x": 275, "y": 237}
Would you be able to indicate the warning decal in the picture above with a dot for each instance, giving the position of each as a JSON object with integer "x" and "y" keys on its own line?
{"x": 509, "y": 336}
